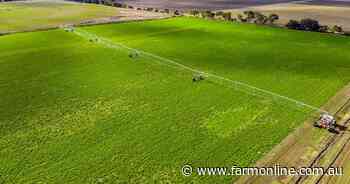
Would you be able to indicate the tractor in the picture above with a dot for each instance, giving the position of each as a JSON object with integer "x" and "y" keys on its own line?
{"x": 328, "y": 122}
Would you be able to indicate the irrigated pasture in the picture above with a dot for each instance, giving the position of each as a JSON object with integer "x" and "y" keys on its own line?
{"x": 76, "y": 111}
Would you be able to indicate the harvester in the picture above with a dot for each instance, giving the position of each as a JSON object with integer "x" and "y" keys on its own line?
{"x": 328, "y": 122}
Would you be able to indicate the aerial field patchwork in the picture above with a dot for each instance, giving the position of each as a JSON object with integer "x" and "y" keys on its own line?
{"x": 74, "y": 110}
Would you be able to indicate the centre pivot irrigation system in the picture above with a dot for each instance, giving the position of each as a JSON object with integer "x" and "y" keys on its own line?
{"x": 112, "y": 44}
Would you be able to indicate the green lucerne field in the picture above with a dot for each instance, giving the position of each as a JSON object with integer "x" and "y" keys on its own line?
{"x": 77, "y": 111}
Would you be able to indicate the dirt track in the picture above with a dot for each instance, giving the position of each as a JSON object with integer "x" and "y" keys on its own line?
{"x": 309, "y": 146}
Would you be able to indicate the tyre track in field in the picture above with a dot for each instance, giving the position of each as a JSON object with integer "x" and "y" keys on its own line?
{"x": 334, "y": 160}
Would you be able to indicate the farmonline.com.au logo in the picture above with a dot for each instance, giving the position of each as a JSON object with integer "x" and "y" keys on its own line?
{"x": 276, "y": 170}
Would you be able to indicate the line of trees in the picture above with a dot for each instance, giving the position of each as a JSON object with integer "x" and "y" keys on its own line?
{"x": 313, "y": 25}
{"x": 248, "y": 16}
{"x": 257, "y": 17}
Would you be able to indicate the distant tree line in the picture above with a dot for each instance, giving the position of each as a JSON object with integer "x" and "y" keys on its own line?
{"x": 248, "y": 16}
{"x": 105, "y": 2}
{"x": 313, "y": 25}
{"x": 257, "y": 17}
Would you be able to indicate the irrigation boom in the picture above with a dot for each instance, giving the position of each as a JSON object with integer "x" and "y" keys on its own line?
{"x": 117, "y": 45}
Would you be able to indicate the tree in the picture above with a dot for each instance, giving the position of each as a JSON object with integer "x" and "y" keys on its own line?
{"x": 324, "y": 29}
{"x": 219, "y": 13}
{"x": 177, "y": 12}
{"x": 293, "y": 24}
{"x": 310, "y": 24}
{"x": 250, "y": 15}
{"x": 337, "y": 29}
{"x": 241, "y": 18}
{"x": 272, "y": 18}
{"x": 227, "y": 16}
{"x": 119, "y": 5}
{"x": 208, "y": 14}
{"x": 194, "y": 12}
{"x": 260, "y": 18}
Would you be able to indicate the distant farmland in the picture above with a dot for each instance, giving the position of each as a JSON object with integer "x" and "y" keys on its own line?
{"x": 76, "y": 111}
{"x": 330, "y": 13}
{"x": 202, "y": 4}
{"x": 31, "y": 15}
{"x": 227, "y": 4}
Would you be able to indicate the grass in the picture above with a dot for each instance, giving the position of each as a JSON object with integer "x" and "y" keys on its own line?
{"x": 46, "y": 14}
{"x": 77, "y": 112}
